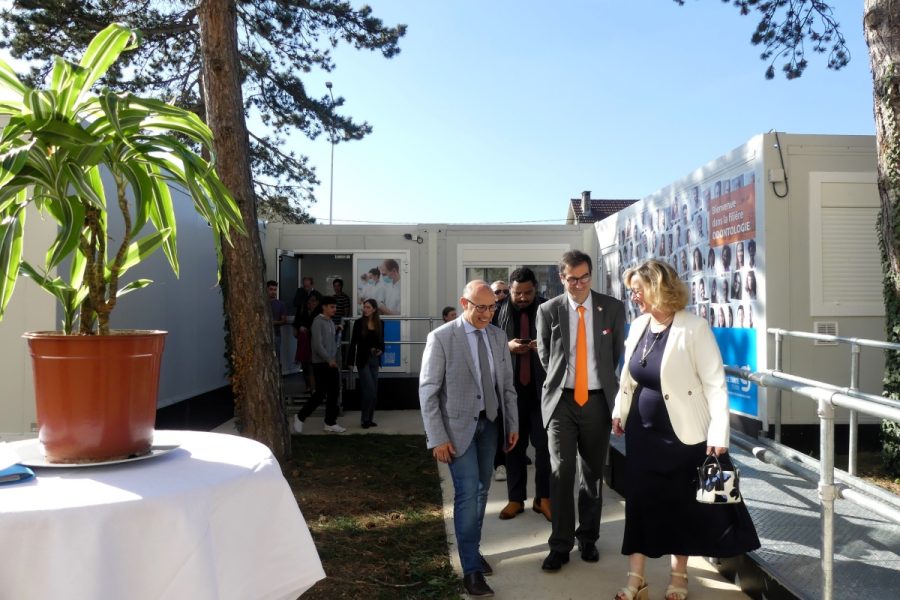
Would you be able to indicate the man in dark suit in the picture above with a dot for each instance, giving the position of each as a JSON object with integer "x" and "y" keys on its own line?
{"x": 518, "y": 317}
{"x": 465, "y": 383}
{"x": 303, "y": 294}
{"x": 581, "y": 337}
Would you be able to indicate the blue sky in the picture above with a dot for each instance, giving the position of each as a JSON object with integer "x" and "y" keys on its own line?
{"x": 500, "y": 111}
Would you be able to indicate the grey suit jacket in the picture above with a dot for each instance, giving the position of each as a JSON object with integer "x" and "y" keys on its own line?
{"x": 554, "y": 341}
{"x": 449, "y": 388}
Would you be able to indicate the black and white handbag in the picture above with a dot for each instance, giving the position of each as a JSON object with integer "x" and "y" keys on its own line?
{"x": 716, "y": 485}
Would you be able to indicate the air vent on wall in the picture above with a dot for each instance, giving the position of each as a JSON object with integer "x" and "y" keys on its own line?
{"x": 825, "y": 328}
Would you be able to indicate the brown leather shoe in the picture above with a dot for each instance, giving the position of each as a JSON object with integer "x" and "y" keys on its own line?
{"x": 542, "y": 506}
{"x": 511, "y": 510}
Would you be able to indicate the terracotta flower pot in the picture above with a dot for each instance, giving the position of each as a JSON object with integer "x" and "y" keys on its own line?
{"x": 96, "y": 395}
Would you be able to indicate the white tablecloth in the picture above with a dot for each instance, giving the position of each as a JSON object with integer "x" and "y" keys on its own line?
{"x": 214, "y": 519}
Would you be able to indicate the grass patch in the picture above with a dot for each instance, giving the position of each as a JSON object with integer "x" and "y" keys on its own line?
{"x": 373, "y": 505}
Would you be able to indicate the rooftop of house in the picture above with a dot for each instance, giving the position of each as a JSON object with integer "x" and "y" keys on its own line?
{"x": 591, "y": 210}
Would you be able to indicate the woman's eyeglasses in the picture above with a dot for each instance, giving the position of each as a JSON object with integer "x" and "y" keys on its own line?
{"x": 498, "y": 292}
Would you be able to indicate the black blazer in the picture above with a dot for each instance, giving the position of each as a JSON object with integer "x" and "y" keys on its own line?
{"x": 553, "y": 346}
{"x": 360, "y": 349}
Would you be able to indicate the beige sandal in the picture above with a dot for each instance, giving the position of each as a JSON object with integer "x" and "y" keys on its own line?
{"x": 632, "y": 593}
{"x": 677, "y": 593}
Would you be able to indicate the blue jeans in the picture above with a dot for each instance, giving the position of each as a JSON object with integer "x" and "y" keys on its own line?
{"x": 472, "y": 472}
{"x": 368, "y": 389}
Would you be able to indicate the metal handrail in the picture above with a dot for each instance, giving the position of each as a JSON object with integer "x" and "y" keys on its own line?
{"x": 856, "y": 344}
{"x": 827, "y": 398}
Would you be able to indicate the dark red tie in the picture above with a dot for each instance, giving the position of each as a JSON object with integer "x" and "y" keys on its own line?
{"x": 524, "y": 359}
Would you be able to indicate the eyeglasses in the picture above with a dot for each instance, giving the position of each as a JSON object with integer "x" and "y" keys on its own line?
{"x": 583, "y": 280}
{"x": 636, "y": 292}
{"x": 481, "y": 307}
{"x": 498, "y": 292}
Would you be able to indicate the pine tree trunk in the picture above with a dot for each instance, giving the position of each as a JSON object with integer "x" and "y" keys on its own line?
{"x": 256, "y": 380}
{"x": 881, "y": 23}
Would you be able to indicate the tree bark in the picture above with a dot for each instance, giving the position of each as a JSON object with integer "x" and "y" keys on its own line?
{"x": 881, "y": 23}
{"x": 256, "y": 381}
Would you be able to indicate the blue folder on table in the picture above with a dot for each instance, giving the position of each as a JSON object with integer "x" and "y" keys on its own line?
{"x": 15, "y": 474}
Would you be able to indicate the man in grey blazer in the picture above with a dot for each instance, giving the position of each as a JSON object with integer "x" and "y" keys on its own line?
{"x": 465, "y": 382}
{"x": 577, "y": 408}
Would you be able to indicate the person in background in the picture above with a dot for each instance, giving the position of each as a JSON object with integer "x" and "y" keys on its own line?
{"x": 366, "y": 348}
{"x": 308, "y": 289}
{"x": 343, "y": 311}
{"x": 302, "y": 322}
{"x": 580, "y": 336}
{"x": 448, "y": 314}
{"x": 325, "y": 368}
{"x": 390, "y": 282}
{"x": 501, "y": 290}
{"x": 466, "y": 378}
{"x": 518, "y": 318}
{"x": 279, "y": 316}
{"x": 673, "y": 407}
{"x": 501, "y": 295}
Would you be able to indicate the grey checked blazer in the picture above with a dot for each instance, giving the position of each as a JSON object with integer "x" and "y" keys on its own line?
{"x": 554, "y": 341}
{"x": 449, "y": 388}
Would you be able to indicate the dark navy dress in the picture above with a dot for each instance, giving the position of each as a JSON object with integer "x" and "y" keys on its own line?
{"x": 661, "y": 514}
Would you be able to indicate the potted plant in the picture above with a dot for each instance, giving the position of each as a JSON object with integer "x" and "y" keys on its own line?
{"x": 100, "y": 164}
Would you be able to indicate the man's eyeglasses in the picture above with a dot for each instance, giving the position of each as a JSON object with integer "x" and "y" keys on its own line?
{"x": 584, "y": 279}
{"x": 482, "y": 307}
{"x": 498, "y": 292}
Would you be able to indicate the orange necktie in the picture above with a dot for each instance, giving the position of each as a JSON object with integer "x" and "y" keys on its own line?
{"x": 581, "y": 369}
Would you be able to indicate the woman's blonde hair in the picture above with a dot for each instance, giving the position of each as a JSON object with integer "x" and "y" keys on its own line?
{"x": 663, "y": 289}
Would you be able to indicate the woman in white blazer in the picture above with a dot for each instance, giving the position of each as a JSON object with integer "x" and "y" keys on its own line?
{"x": 673, "y": 407}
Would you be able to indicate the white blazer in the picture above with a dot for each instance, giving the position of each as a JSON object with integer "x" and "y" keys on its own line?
{"x": 692, "y": 379}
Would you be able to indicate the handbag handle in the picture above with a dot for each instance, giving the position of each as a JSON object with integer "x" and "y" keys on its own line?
{"x": 706, "y": 467}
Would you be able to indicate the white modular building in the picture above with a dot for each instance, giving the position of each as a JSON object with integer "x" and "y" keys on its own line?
{"x": 426, "y": 267}
{"x": 779, "y": 232}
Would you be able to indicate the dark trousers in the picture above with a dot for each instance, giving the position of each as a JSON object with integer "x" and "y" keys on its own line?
{"x": 582, "y": 432}
{"x": 531, "y": 429}
{"x": 328, "y": 386}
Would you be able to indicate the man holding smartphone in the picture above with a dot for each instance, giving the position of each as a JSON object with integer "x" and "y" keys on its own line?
{"x": 517, "y": 317}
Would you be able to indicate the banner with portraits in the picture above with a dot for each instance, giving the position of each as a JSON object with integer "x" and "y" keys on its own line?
{"x": 708, "y": 234}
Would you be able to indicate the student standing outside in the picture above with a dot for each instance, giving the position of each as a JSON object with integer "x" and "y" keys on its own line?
{"x": 325, "y": 369}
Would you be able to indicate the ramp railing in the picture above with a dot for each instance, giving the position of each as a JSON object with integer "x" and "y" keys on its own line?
{"x": 827, "y": 396}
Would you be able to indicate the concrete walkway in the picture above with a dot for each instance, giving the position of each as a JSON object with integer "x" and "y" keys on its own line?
{"x": 516, "y": 548}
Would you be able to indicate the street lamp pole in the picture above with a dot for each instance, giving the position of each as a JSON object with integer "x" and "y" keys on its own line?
{"x": 331, "y": 183}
